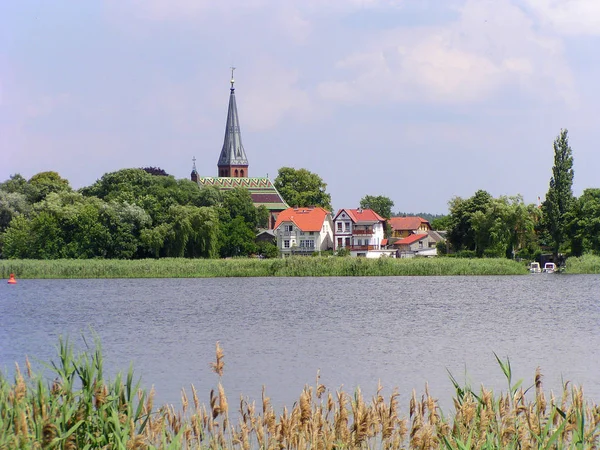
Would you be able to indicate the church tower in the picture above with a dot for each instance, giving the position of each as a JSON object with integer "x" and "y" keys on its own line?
{"x": 232, "y": 161}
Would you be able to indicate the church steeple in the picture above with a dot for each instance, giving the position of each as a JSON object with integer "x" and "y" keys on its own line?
{"x": 232, "y": 161}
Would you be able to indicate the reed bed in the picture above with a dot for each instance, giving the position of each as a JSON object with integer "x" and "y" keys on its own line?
{"x": 583, "y": 264}
{"x": 253, "y": 267}
{"x": 82, "y": 409}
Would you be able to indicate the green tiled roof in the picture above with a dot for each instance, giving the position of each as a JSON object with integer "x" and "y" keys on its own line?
{"x": 261, "y": 189}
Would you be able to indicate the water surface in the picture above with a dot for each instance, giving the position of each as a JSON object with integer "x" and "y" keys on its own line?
{"x": 279, "y": 332}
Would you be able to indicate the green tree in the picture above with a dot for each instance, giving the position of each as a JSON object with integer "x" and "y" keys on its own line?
{"x": 300, "y": 187}
{"x": 441, "y": 223}
{"x": 559, "y": 198}
{"x": 584, "y": 223}
{"x": 461, "y": 233}
{"x": 44, "y": 183}
{"x": 381, "y": 204}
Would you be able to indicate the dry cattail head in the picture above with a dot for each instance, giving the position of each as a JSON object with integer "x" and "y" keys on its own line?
{"x": 222, "y": 400}
{"x": 218, "y": 365}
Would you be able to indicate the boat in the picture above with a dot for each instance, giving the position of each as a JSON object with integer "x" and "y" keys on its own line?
{"x": 534, "y": 267}
{"x": 549, "y": 267}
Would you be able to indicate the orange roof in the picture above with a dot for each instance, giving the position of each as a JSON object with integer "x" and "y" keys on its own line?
{"x": 407, "y": 223}
{"x": 307, "y": 219}
{"x": 410, "y": 239}
{"x": 362, "y": 215}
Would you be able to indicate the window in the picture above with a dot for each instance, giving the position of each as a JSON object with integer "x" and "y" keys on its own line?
{"x": 304, "y": 243}
{"x": 302, "y": 233}
{"x": 288, "y": 228}
{"x": 286, "y": 243}
{"x": 347, "y": 226}
{"x": 339, "y": 242}
{"x": 420, "y": 244}
{"x": 311, "y": 233}
{"x": 347, "y": 243}
{"x": 339, "y": 226}
{"x": 359, "y": 242}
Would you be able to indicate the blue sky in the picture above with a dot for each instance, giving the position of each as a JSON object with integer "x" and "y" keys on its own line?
{"x": 418, "y": 100}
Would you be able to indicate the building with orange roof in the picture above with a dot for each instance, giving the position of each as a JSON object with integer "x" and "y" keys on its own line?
{"x": 405, "y": 226}
{"x": 359, "y": 230}
{"x": 303, "y": 231}
{"x": 420, "y": 244}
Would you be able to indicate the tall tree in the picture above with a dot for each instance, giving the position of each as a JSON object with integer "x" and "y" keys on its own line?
{"x": 584, "y": 223}
{"x": 381, "y": 204}
{"x": 302, "y": 188}
{"x": 559, "y": 198}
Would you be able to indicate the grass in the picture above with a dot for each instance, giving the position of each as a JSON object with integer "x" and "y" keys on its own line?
{"x": 583, "y": 264}
{"x": 80, "y": 408}
{"x": 250, "y": 267}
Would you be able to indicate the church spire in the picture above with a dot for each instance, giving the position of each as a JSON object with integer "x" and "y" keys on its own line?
{"x": 232, "y": 161}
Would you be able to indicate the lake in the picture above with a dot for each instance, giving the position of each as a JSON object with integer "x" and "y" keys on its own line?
{"x": 278, "y": 332}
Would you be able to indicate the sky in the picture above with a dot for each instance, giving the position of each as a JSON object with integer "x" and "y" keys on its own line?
{"x": 416, "y": 100}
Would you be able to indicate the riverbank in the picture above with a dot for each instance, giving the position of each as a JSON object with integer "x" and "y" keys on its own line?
{"x": 80, "y": 408}
{"x": 586, "y": 264}
{"x": 250, "y": 267}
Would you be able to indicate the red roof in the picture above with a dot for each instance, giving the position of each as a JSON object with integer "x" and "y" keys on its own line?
{"x": 410, "y": 239}
{"x": 362, "y": 215}
{"x": 407, "y": 223}
{"x": 307, "y": 219}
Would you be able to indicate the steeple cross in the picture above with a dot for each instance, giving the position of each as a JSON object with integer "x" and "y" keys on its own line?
{"x": 232, "y": 80}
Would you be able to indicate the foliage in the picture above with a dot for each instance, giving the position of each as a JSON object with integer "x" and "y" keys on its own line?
{"x": 430, "y": 217}
{"x": 441, "y": 223}
{"x": 380, "y": 204}
{"x": 82, "y": 408}
{"x": 492, "y": 227}
{"x": 584, "y": 223}
{"x": 302, "y": 188}
{"x": 584, "y": 264}
{"x": 342, "y": 251}
{"x": 157, "y": 171}
{"x": 12, "y": 204}
{"x": 559, "y": 198}
{"x": 294, "y": 266}
{"x": 267, "y": 249}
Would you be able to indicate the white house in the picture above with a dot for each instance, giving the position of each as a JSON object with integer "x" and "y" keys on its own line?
{"x": 361, "y": 231}
{"x": 303, "y": 231}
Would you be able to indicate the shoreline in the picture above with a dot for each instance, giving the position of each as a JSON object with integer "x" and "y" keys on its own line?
{"x": 251, "y": 267}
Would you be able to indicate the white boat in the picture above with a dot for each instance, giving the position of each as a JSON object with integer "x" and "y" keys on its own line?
{"x": 549, "y": 267}
{"x": 534, "y": 267}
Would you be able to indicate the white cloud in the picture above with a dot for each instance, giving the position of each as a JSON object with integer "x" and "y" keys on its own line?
{"x": 492, "y": 45}
{"x": 570, "y": 17}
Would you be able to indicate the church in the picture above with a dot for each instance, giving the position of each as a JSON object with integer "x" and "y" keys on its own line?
{"x": 232, "y": 167}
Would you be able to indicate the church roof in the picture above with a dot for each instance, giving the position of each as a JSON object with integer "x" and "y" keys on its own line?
{"x": 232, "y": 153}
{"x": 261, "y": 189}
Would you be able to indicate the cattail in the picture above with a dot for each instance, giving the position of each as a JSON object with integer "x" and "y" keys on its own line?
{"x": 216, "y": 410}
{"x": 195, "y": 397}
{"x": 100, "y": 395}
{"x": 305, "y": 407}
{"x": 49, "y": 432}
{"x": 218, "y": 366}
{"x": 184, "y": 400}
{"x": 222, "y": 400}
{"x": 28, "y": 366}
{"x": 150, "y": 400}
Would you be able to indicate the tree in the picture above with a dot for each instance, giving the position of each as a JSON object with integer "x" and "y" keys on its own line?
{"x": 559, "y": 198}
{"x": 584, "y": 223}
{"x": 302, "y": 188}
{"x": 380, "y": 204}
{"x": 461, "y": 233}
{"x": 44, "y": 183}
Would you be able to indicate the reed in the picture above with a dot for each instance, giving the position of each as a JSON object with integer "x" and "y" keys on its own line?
{"x": 82, "y": 409}
{"x": 584, "y": 264}
{"x": 252, "y": 267}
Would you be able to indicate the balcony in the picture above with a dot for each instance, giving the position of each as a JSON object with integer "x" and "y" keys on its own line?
{"x": 363, "y": 248}
{"x": 363, "y": 231}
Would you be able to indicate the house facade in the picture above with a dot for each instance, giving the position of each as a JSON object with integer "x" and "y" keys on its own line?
{"x": 405, "y": 226}
{"x": 303, "y": 231}
{"x": 420, "y": 244}
{"x": 359, "y": 230}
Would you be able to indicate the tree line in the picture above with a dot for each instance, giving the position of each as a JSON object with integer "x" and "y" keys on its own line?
{"x": 141, "y": 213}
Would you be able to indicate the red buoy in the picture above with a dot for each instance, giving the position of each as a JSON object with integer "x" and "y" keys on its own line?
{"x": 11, "y": 279}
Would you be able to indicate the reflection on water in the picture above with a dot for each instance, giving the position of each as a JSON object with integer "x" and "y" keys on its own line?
{"x": 279, "y": 332}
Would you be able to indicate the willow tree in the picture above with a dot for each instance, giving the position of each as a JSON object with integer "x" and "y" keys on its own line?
{"x": 560, "y": 194}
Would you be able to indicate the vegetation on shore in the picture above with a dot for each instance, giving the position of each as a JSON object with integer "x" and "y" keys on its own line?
{"x": 584, "y": 264}
{"x": 81, "y": 408}
{"x": 254, "y": 267}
